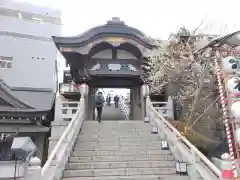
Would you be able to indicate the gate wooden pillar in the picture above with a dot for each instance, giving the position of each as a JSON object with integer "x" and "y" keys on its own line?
{"x": 90, "y": 106}
{"x": 136, "y": 105}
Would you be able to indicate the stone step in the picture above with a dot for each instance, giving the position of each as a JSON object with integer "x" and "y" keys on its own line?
{"x": 121, "y": 139}
{"x": 125, "y": 137}
{"x": 126, "y": 126}
{"x": 119, "y": 143}
{"x": 116, "y": 129}
{"x": 82, "y": 146}
{"x": 121, "y": 135}
{"x": 134, "y": 123}
{"x": 78, "y": 159}
{"x": 107, "y": 148}
{"x": 119, "y": 172}
{"x": 115, "y": 165}
{"x": 115, "y": 150}
{"x": 119, "y": 153}
{"x": 117, "y": 126}
{"x": 117, "y": 132}
{"x": 148, "y": 135}
{"x": 141, "y": 177}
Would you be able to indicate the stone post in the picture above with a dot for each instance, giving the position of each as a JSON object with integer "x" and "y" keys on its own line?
{"x": 58, "y": 125}
{"x": 84, "y": 90}
{"x": 225, "y": 166}
{"x": 34, "y": 169}
{"x": 144, "y": 95}
{"x": 170, "y": 113}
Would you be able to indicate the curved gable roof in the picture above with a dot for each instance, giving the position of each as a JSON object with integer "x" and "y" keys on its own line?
{"x": 113, "y": 27}
{"x": 6, "y": 95}
{"x": 27, "y": 100}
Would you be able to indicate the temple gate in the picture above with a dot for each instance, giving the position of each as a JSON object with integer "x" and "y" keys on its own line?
{"x": 113, "y": 55}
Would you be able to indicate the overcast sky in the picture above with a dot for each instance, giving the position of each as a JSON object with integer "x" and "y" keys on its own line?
{"x": 157, "y": 18}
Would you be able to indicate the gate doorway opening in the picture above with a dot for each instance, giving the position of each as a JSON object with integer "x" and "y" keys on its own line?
{"x": 129, "y": 100}
{"x": 117, "y": 104}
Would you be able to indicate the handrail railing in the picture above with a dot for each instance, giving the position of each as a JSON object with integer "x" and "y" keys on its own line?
{"x": 67, "y": 110}
{"x": 187, "y": 150}
{"x": 124, "y": 109}
{"x": 53, "y": 168}
{"x": 161, "y": 107}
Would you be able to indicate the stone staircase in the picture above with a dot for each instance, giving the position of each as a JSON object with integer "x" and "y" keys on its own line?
{"x": 116, "y": 150}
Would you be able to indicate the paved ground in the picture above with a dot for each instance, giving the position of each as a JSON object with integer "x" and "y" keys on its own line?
{"x": 111, "y": 113}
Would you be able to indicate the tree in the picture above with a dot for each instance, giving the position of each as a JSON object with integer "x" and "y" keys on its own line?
{"x": 190, "y": 79}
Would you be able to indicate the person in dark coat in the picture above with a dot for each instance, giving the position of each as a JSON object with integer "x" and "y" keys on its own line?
{"x": 116, "y": 100}
{"x": 99, "y": 103}
{"x": 108, "y": 99}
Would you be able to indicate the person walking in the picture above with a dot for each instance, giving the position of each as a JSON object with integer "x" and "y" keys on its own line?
{"x": 99, "y": 103}
{"x": 116, "y": 100}
{"x": 108, "y": 100}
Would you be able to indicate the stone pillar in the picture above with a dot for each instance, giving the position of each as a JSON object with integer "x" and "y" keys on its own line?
{"x": 84, "y": 91}
{"x": 225, "y": 166}
{"x": 170, "y": 110}
{"x": 131, "y": 104}
{"x": 90, "y": 103}
{"x": 136, "y": 104}
{"x": 145, "y": 92}
{"x": 58, "y": 125}
{"x": 40, "y": 140}
{"x": 34, "y": 169}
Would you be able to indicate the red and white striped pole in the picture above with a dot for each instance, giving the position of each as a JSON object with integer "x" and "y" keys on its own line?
{"x": 225, "y": 115}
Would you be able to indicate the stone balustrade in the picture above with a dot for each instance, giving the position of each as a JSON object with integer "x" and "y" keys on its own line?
{"x": 64, "y": 112}
{"x": 166, "y": 109}
{"x": 199, "y": 166}
{"x": 58, "y": 156}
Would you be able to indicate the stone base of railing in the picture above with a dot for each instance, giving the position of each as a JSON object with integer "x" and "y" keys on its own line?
{"x": 58, "y": 127}
{"x": 225, "y": 165}
{"x": 34, "y": 170}
{"x": 21, "y": 170}
{"x": 9, "y": 171}
{"x": 64, "y": 112}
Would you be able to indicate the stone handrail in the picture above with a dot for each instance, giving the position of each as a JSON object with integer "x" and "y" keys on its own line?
{"x": 182, "y": 149}
{"x": 166, "y": 108}
{"x": 68, "y": 112}
{"x": 53, "y": 168}
{"x": 161, "y": 107}
{"x": 123, "y": 108}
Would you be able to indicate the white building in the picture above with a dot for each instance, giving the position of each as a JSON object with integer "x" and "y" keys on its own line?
{"x": 27, "y": 53}
{"x": 28, "y": 70}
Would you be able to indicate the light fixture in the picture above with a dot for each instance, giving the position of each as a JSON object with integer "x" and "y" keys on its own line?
{"x": 164, "y": 145}
{"x": 154, "y": 129}
{"x": 19, "y": 15}
{"x": 181, "y": 167}
{"x": 37, "y": 19}
{"x": 146, "y": 119}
